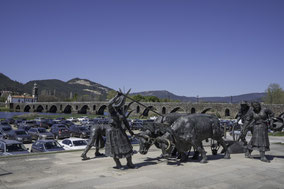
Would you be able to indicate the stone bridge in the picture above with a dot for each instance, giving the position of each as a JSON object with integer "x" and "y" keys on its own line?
{"x": 223, "y": 110}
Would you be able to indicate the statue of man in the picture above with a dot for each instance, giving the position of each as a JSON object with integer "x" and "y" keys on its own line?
{"x": 242, "y": 116}
{"x": 258, "y": 119}
{"x": 96, "y": 139}
{"x": 117, "y": 142}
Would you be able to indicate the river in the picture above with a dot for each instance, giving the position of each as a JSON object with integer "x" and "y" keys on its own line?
{"x": 5, "y": 115}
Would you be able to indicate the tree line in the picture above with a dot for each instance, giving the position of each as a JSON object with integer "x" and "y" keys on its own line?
{"x": 275, "y": 94}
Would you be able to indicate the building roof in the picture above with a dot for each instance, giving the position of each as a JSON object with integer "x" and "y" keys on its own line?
{"x": 22, "y": 97}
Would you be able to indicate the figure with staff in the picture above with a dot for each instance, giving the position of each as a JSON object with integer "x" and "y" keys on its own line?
{"x": 117, "y": 142}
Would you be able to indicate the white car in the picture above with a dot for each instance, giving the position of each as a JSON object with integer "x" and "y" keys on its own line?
{"x": 72, "y": 119}
{"x": 74, "y": 143}
{"x": 84, "y": 118}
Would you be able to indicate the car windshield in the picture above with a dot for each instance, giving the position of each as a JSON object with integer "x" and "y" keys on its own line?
{"x": 52, "y": 145}
{"x": 80, "y": 143}
{"x": 20, "y": 132}
{"x": 42, "y": 130}
{"x": 15, "y": 147}
{"x": 7, "y": 129}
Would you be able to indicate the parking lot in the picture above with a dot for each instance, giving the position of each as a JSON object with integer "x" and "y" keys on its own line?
{"x": 67, "y": 170}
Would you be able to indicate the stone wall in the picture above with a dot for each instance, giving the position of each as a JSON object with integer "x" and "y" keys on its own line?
{"x": 223, "y": 110}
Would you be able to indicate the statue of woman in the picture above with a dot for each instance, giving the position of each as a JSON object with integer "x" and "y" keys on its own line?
{"x": 117, "y": 142}
{"x": 258, "y": 119}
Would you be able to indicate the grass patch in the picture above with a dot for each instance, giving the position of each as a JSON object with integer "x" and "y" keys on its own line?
{"x": 5, "y": 109}
{"x": 276, "y": 134}
{"x": 36, "y": 115}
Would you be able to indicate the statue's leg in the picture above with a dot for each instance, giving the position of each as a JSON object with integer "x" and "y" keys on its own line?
{"x": 223, "y": 144}
{"x": 174, "y": 153}
{"x": 196, "y": 145}
{"x": 117, "y": 164}
{"x": 262, "y": 157}
{"x": 98, "y": 142}
{"x": 129, "y": 163}
{"x": 88, "y": 147}
{"x": 183, "y": 156}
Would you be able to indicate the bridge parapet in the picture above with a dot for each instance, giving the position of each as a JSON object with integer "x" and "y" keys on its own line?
{"x": 223, "y": 110}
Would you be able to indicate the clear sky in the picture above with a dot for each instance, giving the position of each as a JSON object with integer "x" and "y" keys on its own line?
{"x": 190, "y": 48}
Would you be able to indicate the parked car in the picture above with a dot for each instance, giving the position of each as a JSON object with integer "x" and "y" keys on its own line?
{"x": 10, "y": 120}
{"x": 79, "y": 131}
{"x": 46, "y": 146}
{"x": 100, "y": 120}
{"x": 72, "y": 119}
{"x": 12, "y": 147}
{"x": 67, "y": 123}
{"x": 136, "y": 124}
{"x": 22, "y": 136}
{"x": 40, "y": 133}
{"x": 74, "y": 144}
{"x": 31, "y": 123}
{"x": 58, "y": 120}
{"x": 83, "y": 119}
{"x": 7, "y": 132}
{"x": 43, "y": 123}
{"x": 24, "y": 127}
{"x": 50, "y": 122}
{"x": 60, "y": 131}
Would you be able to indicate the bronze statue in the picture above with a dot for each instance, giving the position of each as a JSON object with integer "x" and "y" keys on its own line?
{"x": 117, "y": 142}
{"x": 258, "y": 120}
{"x": 96, "y": 139}
{"x": 242, "y": 115}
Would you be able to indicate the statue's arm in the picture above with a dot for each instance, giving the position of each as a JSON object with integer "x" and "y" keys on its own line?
{"x": 127, "y": 125}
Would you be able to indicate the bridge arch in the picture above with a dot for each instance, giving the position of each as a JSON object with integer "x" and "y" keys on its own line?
{"x": 101, "y": 110}
{"x": 27, "y": 108}
{"x": 164, "y": 110}
{"x": 94, "y": 107}
{"x": 18, "y": 108}
{"x": 193, "y": 110}
{"x": 53, "y": 109}
{"x": 137, "y": 109}
{"x": 39, "y": 108}
{"x": 67, "y": 109}
{"x": 84, "y": 109}
{"x": 227, "y": 112}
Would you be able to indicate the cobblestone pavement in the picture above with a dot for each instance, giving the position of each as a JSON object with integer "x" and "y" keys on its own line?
{"x": 66, "y": 170}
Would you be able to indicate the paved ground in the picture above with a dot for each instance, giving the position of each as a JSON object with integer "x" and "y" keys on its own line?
{"x": 66, "y": 170}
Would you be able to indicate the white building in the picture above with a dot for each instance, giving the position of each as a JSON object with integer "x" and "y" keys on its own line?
{"x": 24, "y": 98}
{"x": 20, "y": 99}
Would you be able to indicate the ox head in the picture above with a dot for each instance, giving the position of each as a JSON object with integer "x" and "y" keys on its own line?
{"x": 277, "y": 124}
{"x": 166, "y": 145}
{"x": 145, "y": 141}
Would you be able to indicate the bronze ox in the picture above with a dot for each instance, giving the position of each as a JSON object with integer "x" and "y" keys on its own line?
{"x": 185, "y": 132}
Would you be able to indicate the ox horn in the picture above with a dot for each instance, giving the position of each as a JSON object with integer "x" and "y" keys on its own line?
{"x": 165, "y": 141}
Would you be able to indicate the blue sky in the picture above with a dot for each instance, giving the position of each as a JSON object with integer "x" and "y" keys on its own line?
{"x": 190, "y": 48}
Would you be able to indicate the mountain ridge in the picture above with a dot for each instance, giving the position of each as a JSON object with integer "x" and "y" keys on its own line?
{"x": 87, "y": 90}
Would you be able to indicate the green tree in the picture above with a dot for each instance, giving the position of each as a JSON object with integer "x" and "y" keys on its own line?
{"x": 75, "y": 97}
{"x": 111, "y": 94}
{"x": 275, "y": 94}
{"x": 2, "y": 99}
